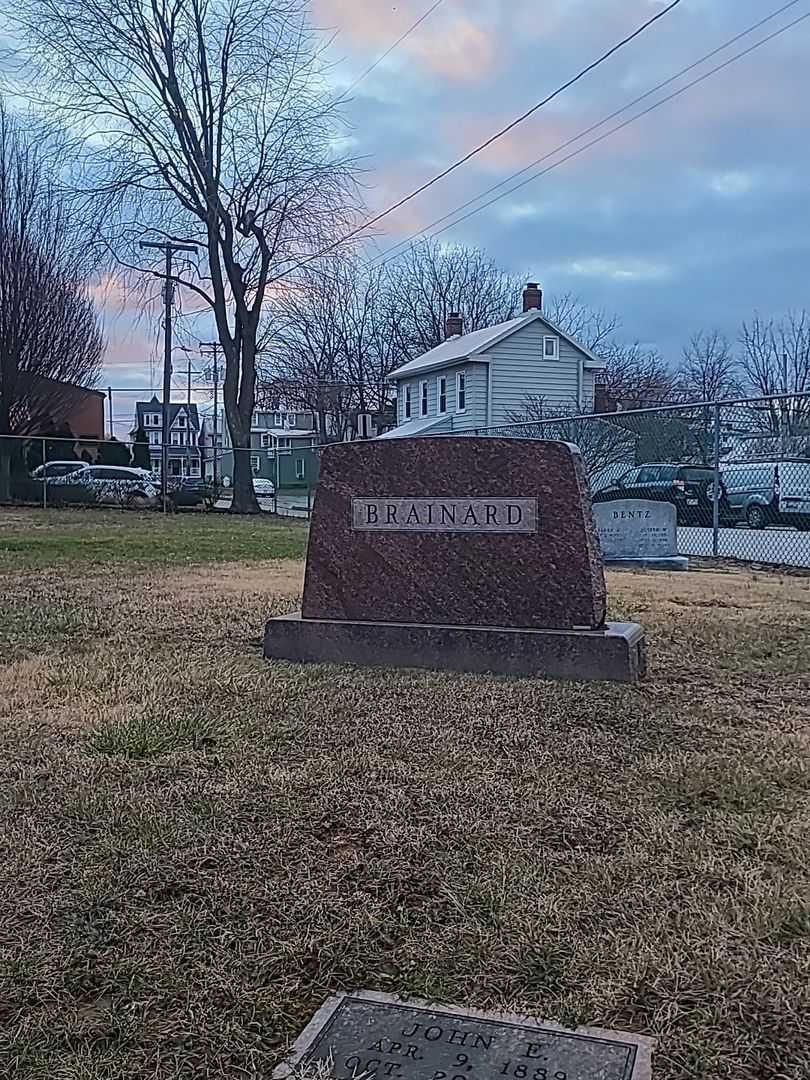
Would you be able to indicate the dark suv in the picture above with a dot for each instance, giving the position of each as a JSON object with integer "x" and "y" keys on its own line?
{"x": 690, "y": 488}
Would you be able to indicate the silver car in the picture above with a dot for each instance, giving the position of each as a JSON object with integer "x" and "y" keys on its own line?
{"x": 52, "y": 469}
{"x": 110, "y": 485}
{"x": 765, "y": 493}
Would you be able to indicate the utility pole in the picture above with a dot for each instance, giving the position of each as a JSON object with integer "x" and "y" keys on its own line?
{"x": 109, "y": 399}
{"x": 168, "y": 247}
{"x": 784, "y": 425}
{"x": 213, "y": 347}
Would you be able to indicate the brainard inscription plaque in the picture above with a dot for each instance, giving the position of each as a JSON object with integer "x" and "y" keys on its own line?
{"x": 446, "y": 515}
{"x": 377, "y": 1037}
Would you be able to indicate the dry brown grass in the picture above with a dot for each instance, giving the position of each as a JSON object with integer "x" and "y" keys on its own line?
{"x": 197, "y": 847}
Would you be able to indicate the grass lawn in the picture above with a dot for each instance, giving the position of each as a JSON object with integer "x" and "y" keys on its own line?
{"x": 196, "y": 848}
{"x": 34, "y": 538}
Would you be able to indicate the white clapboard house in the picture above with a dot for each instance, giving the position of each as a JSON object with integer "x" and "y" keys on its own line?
{"x": 485, "y": 378}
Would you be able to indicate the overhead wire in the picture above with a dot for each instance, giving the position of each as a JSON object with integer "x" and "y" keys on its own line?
{"x": 483, "y": 145}
{"x": 381, "y": 257}
{"x": 619, "y": 127}
{"x": 388, "y": 51}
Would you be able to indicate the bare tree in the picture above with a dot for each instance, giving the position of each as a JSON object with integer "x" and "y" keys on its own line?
{"x": 217, "y": 128}
{"x": 605, "y": 442}
{"x": 708, "y": 369}
{"x": 635, "y": 376}
{"x": 775, "y": 359}
{"x": 775, "y": 354}
{"x": 594, "y": 327}
{"x": 430, "y": 281}
{"x": 334, "y": 343}
{"x": 303, "y": 363}
{"x": 49, "y": 333}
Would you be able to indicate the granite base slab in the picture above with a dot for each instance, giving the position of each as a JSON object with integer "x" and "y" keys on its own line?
{"x": 674, "y": 562}
{"x": 613, "y": 654}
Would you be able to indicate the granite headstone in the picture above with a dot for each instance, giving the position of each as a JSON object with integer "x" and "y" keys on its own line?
{"x": 461, "y": 531}
{"x": 470, "y": 554}
{"x": 381, "y": 1037}
{"x": 639, "y": 532}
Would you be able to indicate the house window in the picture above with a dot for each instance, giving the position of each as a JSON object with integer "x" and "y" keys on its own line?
{"x": 278, "y": 419}
{"x": 152, "y": 419}
{"x": 423, "y": 398}
{"x": 551, "y": 348}
{"x": 255, "y": 462}
{"x": 407, "y": 406}
{"x": 441, "y": 393}
{"x": 461, "y": 391}
{"x": 300, "y": 468}
{"x": 175, "y": 466}
{"x": 154, "y": 438}
{"x": 284, "y": 444}
{"x": 292, "y": 419}
{"x": 175, "y": 438}
{"x": 265, "y": 439}
{"x": 181, "y": 421}
{"x": 194, "y": 467}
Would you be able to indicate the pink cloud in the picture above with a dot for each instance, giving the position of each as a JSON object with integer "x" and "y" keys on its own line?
{"x": 455, "y": 43}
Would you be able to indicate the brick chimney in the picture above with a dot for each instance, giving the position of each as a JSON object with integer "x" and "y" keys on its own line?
{"x": 454, "y": 327}
{"x": 532, "y": 297}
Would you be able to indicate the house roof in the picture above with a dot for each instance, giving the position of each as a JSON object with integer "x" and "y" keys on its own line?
{"x": 467, "y": 346}
{"x": 155, "y": 406}
{"x": 413, "y": 427}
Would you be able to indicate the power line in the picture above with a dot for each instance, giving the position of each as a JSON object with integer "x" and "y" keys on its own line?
{"x": 381, "y": 256}
{"x": 482, "y": 146}
{"x": 388, "y": 51}
{"x": 613, "y": 130}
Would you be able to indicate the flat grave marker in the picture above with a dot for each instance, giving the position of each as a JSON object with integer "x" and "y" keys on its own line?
{"x": 381, "y": 1037}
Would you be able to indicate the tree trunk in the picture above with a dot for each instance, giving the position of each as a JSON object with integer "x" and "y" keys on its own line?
{"x": 5, "y": 469}
{"x": 244, "y": 497}
{"x": 322, "y": 435}
{"x": 7, "y": 446}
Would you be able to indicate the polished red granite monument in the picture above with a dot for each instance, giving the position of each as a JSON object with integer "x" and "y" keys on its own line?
{"x": 473, "y": 554}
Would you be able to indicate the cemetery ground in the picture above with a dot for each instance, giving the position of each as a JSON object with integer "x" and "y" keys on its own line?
{"x": 196, "y": 848}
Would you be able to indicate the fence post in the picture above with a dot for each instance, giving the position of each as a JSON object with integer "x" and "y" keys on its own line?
{"x": 716, "y": 485}
{"x": 44, "y": 478}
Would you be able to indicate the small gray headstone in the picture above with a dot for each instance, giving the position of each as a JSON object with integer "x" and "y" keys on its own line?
{"x": 376, "y": 1037}
{"x": 639, "y": 532}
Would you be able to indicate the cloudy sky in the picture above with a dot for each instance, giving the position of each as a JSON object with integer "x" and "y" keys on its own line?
{"x": 691, "y": 217}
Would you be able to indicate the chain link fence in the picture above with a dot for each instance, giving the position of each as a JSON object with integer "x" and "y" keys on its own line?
{"x": 738, "y": 472}
{"x": 54, "y": 472}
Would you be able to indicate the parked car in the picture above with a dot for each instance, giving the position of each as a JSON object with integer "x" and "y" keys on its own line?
{"x": 263, "y": 487}
{"x": 769, "y": 492}
{"x": 193, "y": 491}
{"x": 690, "y": 488}
{"x": 112, "y": 485}
{"x": 53, "y": 469}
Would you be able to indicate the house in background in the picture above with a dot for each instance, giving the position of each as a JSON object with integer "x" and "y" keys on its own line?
{"x": 484, "y": 379}
{"x": 184, "y": 431}
{"x": 49, "y": 404}
{"x": 283, "y": 448}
